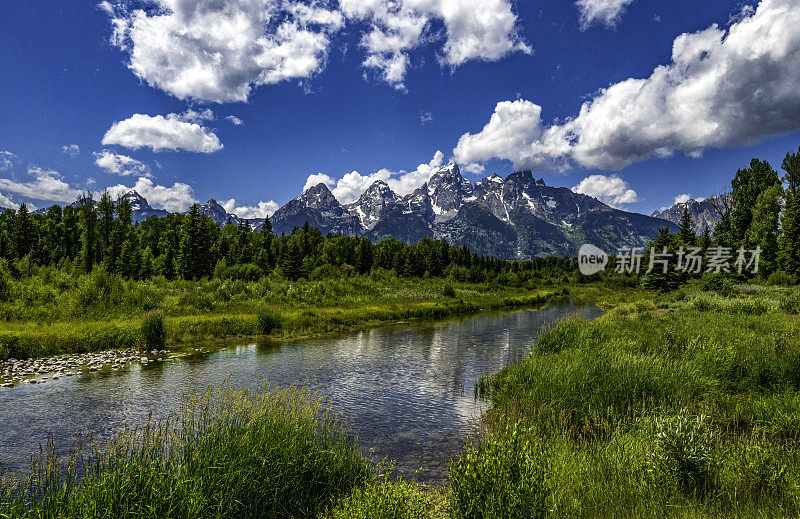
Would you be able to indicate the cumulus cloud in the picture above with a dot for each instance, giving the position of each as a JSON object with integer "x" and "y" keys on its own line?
{"x": 606, "y": 12}
{"x": 260, "y": 210}
{"x": 219, "y": 51}
{"x": 721, "y": 88}
{"x": 234, "y": 120}
{"x": 611, "y": 190}
{"x": 7, "y": 203}
{"x": 682, "y": 199}
{"x": 46, "y": 185}
{"x": 173, "y": 132}
{"x": 71, "y": 150}
{"x": 7, "y": 160}
{"x": 122, "y": 165}
{"x": 348, "y": 188}
{"x": 475, "y": 29}
{"x": 177, "y": 198}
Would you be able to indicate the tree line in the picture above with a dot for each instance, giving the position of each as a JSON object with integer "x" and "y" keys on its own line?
{"x": 761, "y": 211}
{"x": 87, "y": 234}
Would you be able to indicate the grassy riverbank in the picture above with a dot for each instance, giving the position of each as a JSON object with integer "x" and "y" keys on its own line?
{"x": 669, "y": 405}
{"x": 52, "y": 315}
{"x": 677, "y": 405}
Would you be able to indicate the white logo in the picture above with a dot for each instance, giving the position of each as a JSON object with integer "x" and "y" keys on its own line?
{"x": 591, "y": 259}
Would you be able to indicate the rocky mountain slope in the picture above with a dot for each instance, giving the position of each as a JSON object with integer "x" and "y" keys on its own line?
{"x": 703, "y": 211}
{"x": 515, "y": 218}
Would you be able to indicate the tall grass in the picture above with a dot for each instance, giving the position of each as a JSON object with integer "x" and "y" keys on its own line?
{"x": 230, "y": 452}
{"x": 676, "y": 407}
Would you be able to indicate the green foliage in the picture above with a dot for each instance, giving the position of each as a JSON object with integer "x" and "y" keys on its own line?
{"x": 503, "y": 476}
{"x": 267, "y": 321}
{"x": 448, "y": 291}
{"x": 780, "y": 278}
{"x": 383, "y": 499}
{"x": 153, "y": 331}
{"x": 682, "y": 453}
{"x": 790, "y": 303}
{"x": 231, "y": 452}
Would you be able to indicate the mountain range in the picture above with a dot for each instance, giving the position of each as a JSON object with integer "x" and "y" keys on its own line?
{"x": 705, "y": 213}
{"x": 517, "y": 217}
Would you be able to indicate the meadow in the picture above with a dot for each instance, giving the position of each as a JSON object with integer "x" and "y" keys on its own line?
{"x": 53, "y": 312}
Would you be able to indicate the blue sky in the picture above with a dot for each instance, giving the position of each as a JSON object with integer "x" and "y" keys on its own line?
{"x": 318, "y": 109}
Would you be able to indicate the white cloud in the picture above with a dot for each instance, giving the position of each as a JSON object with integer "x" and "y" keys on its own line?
{"x": 7, "y": 160}
{"x": 234, "y": 120}
{"x": 425, "y": 118}
{"x": 474, "y": 168}
{"x": 348, "y": 188}
{"x": 721, "y": 88}
{"x": 218, "y": 51}
{"x": 475, "y": 29}
{"x": 46, "y": 185}
{"x": 71, "y": 150}
{"x": 606, "y": 12}
{"x": 120, "y": 164}
{"x": 260, "y": 210}
{"x": 7, "y": 203}
{"x": 682, "y": 199}
{"x": 611, "y": 190}
{"x": 173, "y": 132}
{"x": 177, "y": 198}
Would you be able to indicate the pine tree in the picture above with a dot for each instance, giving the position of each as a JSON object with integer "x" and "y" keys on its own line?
{"x": 686, "y": 232}
{"x": 763, "y": 230}
{"x": 88, "y": 226}
{"x": 747, "y": 185}
{"x": 105, "y": 227}
{"x": 23, "y": 232}
{"x": 364, "y": 256}
{"x": 291, "y": 260}
{"x": 196, "y": 259}
{"x": 789, "y": 240}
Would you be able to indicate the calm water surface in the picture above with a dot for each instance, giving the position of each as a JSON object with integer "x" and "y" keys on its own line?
{"x": 407, "y": 390}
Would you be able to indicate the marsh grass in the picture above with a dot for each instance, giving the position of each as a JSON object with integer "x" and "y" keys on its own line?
{"x": 51, "y": 313}
{"x": 230, "y": 452}
{"x": 683, "y": 409}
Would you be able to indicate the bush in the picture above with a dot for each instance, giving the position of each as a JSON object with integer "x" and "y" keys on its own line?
{"x": 781, "y": 278}
{"x": 504, "y": 476}
{"x": 448, "y": 291}
{"x": 719, "y": 283}
{"x": 682, "y": 452}
{"x": 153, "y": 332}
{"x": 791, "y": 303}
{"x": 242, "y": 272}
{"x": 267, "y": 320}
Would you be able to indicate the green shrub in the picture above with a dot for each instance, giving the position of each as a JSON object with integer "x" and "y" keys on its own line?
{"x": 781, "y": 278}
{"x": 719, "y": 283}
{"x": 791, "y": 303}
{"x": 448, "y": 291}
{"x": 682, "y": 453}
{"x": 153, "y": 332}
{"x": 267, "y": 320}
{"x": 503, "y": 476}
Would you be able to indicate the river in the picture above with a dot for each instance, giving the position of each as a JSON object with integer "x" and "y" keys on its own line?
{"x": 408, "y": 390}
